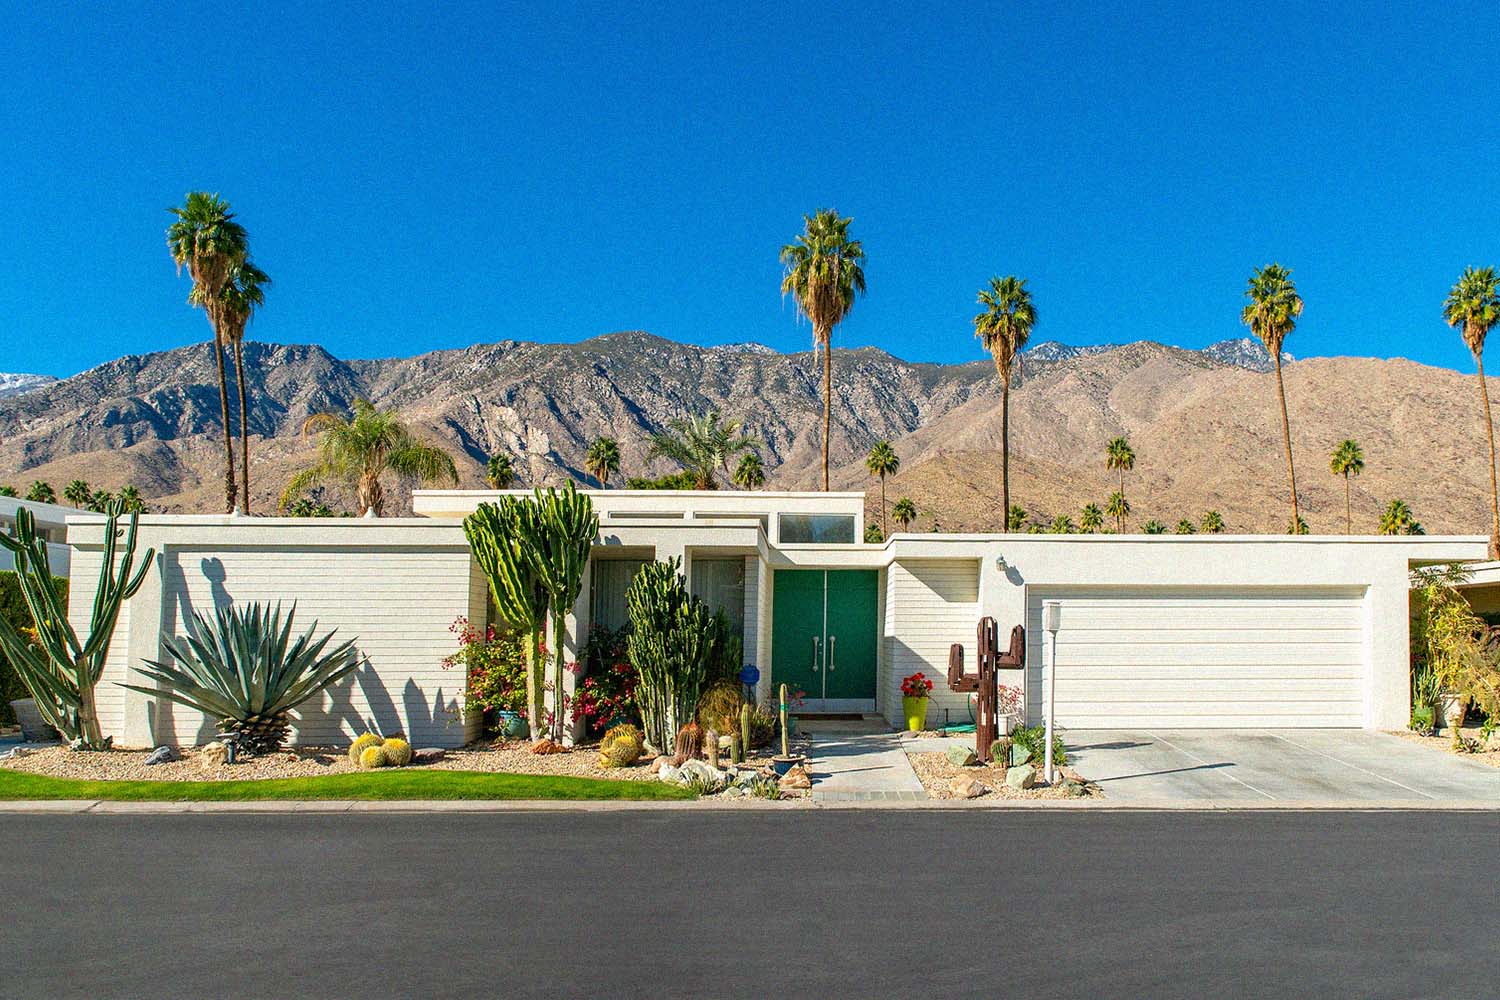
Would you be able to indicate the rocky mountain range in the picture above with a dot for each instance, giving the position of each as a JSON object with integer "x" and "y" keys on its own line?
{"x": 14, "y": 384}
{"x": 1204, "y": 424}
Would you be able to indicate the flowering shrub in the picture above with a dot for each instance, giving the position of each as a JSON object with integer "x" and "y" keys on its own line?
{"x": 606, "y": 695}
{"x": 494, "y": 663}
{"x": 916, "y": 686}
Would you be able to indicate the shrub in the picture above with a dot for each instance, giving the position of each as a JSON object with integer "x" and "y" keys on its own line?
{"x": 361, "y": 743}
{"x": 397, "y": 752}
{"x": 13, "y": 607}
{"x": 764, "y": 725}
{"x": 1034, "y": 738}
{"x": 606, "y": 694}
{"x": 372, "y": 757}
{"x": 720, "y": 706}
{"x": 494, "y": 665}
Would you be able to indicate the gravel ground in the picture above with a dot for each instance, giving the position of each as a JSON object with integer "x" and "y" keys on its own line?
{"x": 512, "y": 758}
{"x": 937, "y": 772}
{"x": 1490, "y": 755}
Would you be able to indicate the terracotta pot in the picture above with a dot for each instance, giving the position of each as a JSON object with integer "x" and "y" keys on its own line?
{"x": 1454, "y": 708}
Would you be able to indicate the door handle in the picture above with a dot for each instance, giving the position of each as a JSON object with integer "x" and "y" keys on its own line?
{"x": 831, "y": 640}
{"x": 815, "y": 654}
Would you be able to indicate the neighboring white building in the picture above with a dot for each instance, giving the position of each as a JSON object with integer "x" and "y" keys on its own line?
{"x": 1160, "y": 631}
{"x": 51, "y": 524}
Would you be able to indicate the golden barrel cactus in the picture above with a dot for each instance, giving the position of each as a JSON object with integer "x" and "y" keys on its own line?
{"x": 397, "y": 752}
{"x": 362, "y": 743}
{"x": 372, "y": 757}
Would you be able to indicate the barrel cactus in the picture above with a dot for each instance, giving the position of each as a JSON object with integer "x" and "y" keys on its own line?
{"x": 621, "y": 746}
{"x": 372, "y": 757}
{"x": 362, "y": 743}
{"x": 397, "y": 752}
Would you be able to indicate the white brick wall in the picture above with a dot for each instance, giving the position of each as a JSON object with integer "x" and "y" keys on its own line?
{"x": 929, "y": 605}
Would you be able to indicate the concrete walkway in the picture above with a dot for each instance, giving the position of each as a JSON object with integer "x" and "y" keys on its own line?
{"x": 861, "y": 767}
{"x": 1262, "y": 766}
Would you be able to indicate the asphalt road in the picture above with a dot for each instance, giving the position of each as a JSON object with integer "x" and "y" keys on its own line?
{"x": 812, "y": 903}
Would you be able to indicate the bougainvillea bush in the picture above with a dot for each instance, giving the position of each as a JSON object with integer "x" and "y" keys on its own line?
{"x": 605, "y": 696}
{"x": 494, "y": 662}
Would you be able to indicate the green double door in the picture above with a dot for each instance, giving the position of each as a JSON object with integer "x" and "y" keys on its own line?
{"x": 824, "y": 633}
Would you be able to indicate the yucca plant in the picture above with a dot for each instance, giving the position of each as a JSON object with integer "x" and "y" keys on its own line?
{"x": 243, "y": 668}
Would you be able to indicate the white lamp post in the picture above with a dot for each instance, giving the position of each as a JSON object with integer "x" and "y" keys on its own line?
{"x": 1051, "y": 613}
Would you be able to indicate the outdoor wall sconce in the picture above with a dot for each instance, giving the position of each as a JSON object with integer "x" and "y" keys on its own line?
{"x": 1001, "y": 564}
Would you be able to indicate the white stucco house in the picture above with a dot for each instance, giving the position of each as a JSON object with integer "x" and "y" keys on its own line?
{"x": 51, "y": 523}
{"x": 1156, "y": 631}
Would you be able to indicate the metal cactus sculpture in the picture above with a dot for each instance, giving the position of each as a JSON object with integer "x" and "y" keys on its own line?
{"x": 672, "y": 641}
{"x": 59, "y": 670}
{"x": 987, "y": 682}
{"x": 568, "y": 527}
{"x": 501, "y": 537}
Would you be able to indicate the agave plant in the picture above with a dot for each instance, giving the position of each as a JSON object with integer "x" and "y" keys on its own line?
{"x": 243, "y": 667}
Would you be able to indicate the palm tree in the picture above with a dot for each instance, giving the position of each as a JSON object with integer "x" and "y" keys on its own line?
{"x": 131, "y": 498}
{"x": 1185, "y": 527}
{"x": 41, "y": 492}
{"x": 1297, "y": 526}
{"x": 1003, "y": 328}
{"x": 603, "y": 458}
{"x": 77, "y": 493}
{"x": 1473, "y": 307}
{"x": 1213, "y": 523}
{"x": 1119, "y": 456}
{"x": 99, "y": 500}
{"x": 1092, "y": 519}
{"x": 905, "y": 512}
{"x": 358, "y": 451}
{"x": 702, "y": 446}
{"x": 1015, "y": 520}
{"x": 1154, "y": 527}
{"x": 210, "y": 244}
{"x": 882, "y": 461}
{"x": 498, "y": 472}
{"x": 9, "y": 491}
{"x": 1062, "y": 524}
{"x": 243, "y": 294}
{"x": 1118, "y": 508}
{"x": 1271, "y": 314}
{"x": 1398, "y": 520}
{"x": 750, "y": 474}
{"x": 824, "y": 272}
{"x": 1347, "y": 460}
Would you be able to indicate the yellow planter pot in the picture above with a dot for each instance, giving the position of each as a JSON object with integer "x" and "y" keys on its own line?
{"x": 915, "y": 712}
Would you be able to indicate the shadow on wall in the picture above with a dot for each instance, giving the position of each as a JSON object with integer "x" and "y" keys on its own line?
{"x": 332, "y": 716}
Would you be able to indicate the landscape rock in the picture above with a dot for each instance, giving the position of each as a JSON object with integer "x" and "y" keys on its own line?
{"x": 962, "y": 756}
{"x": 213, "y": 756}
{"x": 657, "y": 764}
{"x": 796, "y": 779}
{"x": 704, "y": 772}
{"x": 1075, "y": 789}
{"x": 16, "y": 752}
{"x": 427, "y": 755}
{"x": 161, "y": 755}
{"x": 1021, "y": 777}
{"x": 963, "y": 787}
{"x": 669, "y": 773}
{"x": 1019, "y": 754}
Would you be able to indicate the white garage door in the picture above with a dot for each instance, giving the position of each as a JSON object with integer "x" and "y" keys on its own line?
{"x": 1200, "y": 659}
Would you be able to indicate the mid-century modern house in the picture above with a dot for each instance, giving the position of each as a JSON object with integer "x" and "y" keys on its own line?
{"x": 1163, "y": 631}
{"x": 51, "y": 524}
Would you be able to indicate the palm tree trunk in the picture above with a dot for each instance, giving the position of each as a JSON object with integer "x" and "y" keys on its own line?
{"x": 229, "y": 487}
{"x": 827, "y": 400}
{"x": 1489, "y": 427}
{"x": 884, "y": 529}
{"x": 239, "y": 377}
{"x": 1348, "y": 508}
{"x": 371, "y": 495}
{"x": 1286, "y": 437}
{"x": 1005, "y": 454}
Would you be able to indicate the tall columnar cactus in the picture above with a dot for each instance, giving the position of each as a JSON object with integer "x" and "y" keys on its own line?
{"x": 745, "y": 726}
{"x": 502, "y": 537}
{"x": 568, "y": 528}
{"x": 786, "y": 745}
{"x": 59, "y": 670}
{"x": 672, "y": 640}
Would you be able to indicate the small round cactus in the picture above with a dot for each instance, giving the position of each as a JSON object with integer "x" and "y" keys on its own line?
{"x": 363, "y": 742}
{"x": 621, "y": 746}
{"x": 397, "y": 752}
{"x": 372, "y": 757}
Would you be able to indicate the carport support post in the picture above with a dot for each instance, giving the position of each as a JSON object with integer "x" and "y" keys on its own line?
{"x": 1051, "y": 612}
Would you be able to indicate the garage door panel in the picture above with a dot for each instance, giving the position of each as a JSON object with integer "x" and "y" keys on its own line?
{"x": 1173, "y": 659}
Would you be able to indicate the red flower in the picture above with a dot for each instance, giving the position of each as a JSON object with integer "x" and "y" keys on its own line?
{"x": 916, "y": 686}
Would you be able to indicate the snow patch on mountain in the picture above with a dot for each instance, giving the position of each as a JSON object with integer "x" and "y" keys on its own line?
{"x": 15, "y": 384}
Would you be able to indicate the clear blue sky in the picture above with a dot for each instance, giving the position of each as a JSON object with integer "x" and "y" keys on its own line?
{"x": 439, "y": 177}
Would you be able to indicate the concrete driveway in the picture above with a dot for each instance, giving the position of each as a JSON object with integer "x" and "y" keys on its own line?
{"x": 1313, "y": 766}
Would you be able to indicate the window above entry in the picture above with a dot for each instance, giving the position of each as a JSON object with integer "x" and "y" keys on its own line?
{"x": 819, "y": 529}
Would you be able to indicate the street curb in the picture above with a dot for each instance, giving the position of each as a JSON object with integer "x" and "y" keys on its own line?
{"x": 106, "y": 807}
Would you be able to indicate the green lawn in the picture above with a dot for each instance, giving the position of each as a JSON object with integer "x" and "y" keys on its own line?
{"x": 389, "y": 785}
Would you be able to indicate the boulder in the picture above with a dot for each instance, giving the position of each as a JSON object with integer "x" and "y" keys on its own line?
{"x": 962, "y": 756}
{"x": 161, "y": 755}
{"x": 669, "y": 773}
{"x": 657, "y": 764}
{"x": 1075, "y": 789}
{"x": 1019, "y": 754}
{"x": 796, "y": 779}
{"x": 1021, "y": 777}
{"x": 428, "y": 755}
{"x": 963, "y": 787}
{"x": 213, "y": 756}
{"x": 708, "y": 774}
